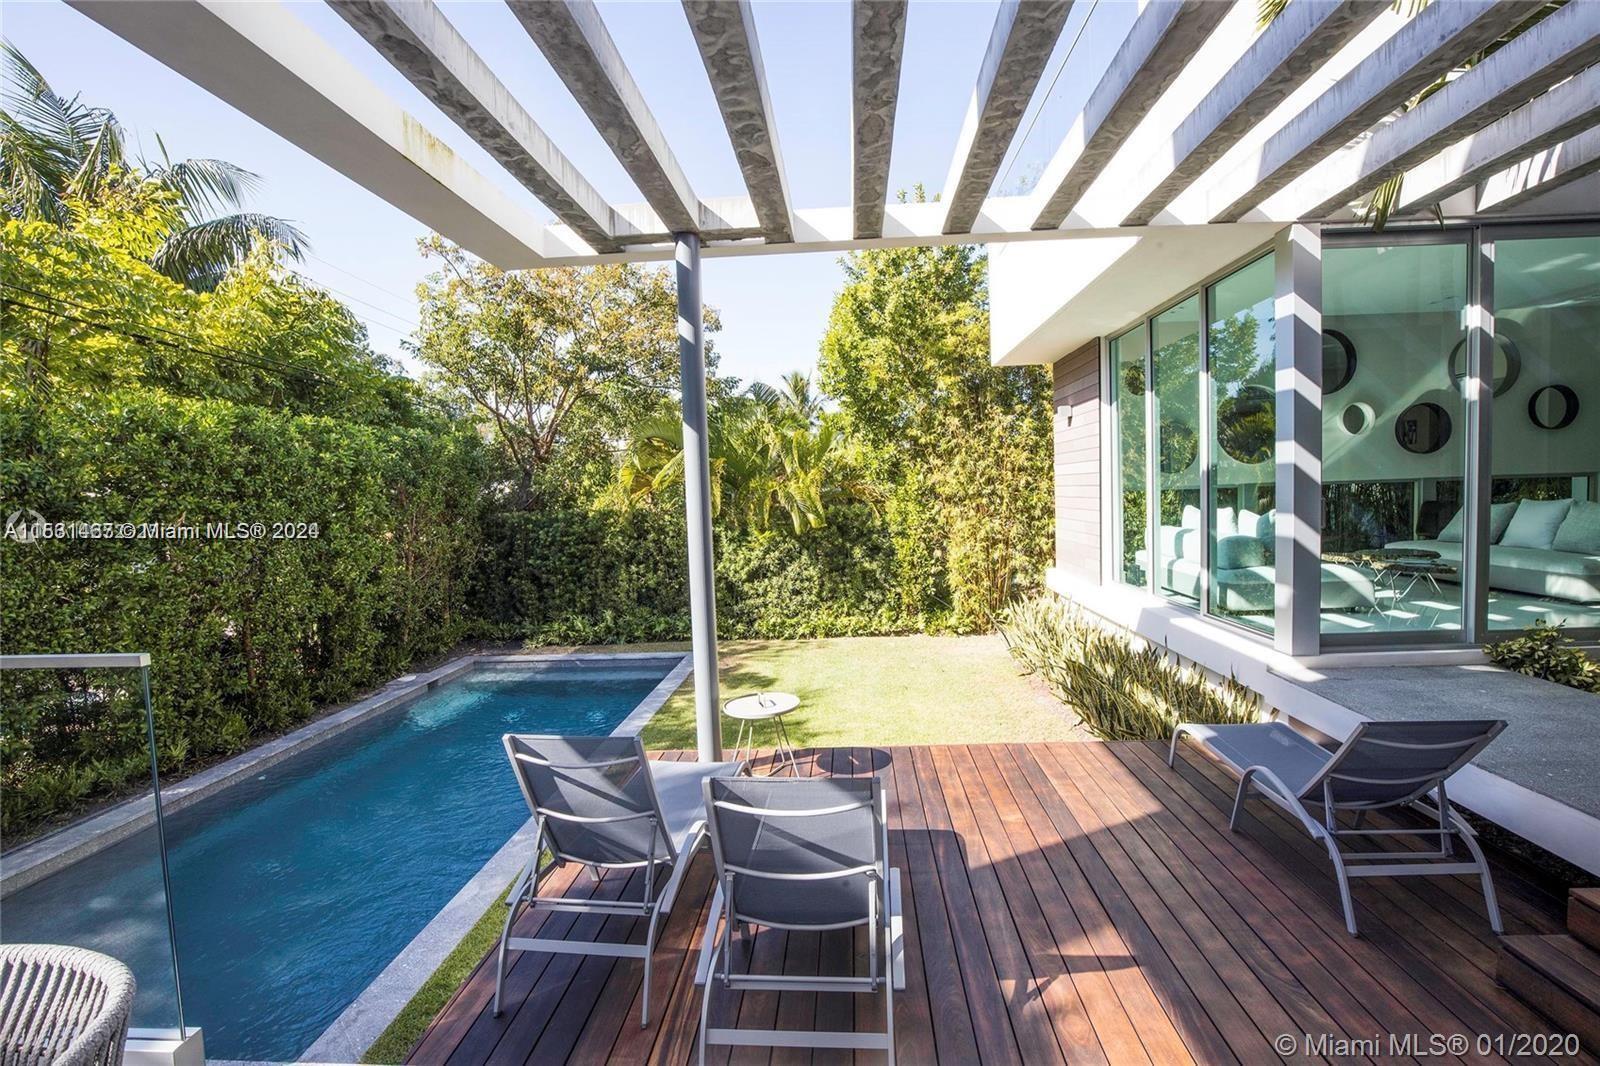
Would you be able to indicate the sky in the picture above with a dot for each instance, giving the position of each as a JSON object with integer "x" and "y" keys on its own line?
{"x": 774, "y": 308}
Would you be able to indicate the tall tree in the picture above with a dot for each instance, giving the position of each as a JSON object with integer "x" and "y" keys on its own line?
{"x": 559, "y": 365}
{"x": 961, "y": 447}
{"x": 60, "y": 157}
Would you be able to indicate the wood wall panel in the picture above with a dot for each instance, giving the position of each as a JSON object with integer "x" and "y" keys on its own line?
{"x": 1076, "y": 381}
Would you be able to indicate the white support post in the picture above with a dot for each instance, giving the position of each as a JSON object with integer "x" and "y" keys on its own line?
{"x": 1297, "y": 260}
{"x": 697, "y": 498}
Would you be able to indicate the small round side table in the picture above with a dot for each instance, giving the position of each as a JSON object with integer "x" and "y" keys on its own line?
{"x": 765, "y": 707}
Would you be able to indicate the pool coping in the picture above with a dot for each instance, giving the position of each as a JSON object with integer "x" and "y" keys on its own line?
{"x": 34, "y": 861}
{"x": 366, "y": 1017}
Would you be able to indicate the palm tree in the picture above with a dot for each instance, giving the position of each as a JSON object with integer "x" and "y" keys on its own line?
{"x": 767, "y": 459}
{"x": 55, "y": 150}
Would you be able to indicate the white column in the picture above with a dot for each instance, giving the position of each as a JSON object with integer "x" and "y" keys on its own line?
{"x": 1297, "y": 258}
{"x": 697, "y": 498}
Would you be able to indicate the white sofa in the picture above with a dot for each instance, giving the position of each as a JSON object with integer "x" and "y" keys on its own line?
{"x": 1565, "y": 565}
{"x": 1245, "y": 575}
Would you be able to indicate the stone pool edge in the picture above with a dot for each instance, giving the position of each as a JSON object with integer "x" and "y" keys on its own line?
{"x": 364, "y": 1020}
{"x": 39, "y": 859}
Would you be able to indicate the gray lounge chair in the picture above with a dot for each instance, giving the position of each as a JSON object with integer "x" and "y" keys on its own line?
{"x": 599, "y": 802}
{"x": 1381, "y": 764}
{"x": 807, "y": 854}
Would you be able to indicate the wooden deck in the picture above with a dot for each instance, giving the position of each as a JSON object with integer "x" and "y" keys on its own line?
{"x": 1064, "y": 901}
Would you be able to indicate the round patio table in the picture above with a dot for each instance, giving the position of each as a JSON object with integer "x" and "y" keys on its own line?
{"x": 748, "y": 711}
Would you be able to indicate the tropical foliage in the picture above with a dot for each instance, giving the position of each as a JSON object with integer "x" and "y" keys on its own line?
{"x": 1122, "y": 690}
{"x": 61, "y": 158}
{"x": 960, "y": 449}
{"x": 1544, "y": 651}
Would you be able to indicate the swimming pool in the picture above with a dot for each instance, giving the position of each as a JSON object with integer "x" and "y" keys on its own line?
{"x": 292, "y": 890}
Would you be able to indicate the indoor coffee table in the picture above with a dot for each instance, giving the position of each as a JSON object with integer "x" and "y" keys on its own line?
{"x": 1399, "y": 570}
{"x": 765, "y": 707}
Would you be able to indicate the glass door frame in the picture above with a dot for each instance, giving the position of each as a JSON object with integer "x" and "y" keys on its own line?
{"x": 1145, "y": 326}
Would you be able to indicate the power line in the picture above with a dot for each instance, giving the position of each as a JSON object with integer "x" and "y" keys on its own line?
{"x": 372, "y": 284}
{"x": 183, "y": 343}
{"x": 406, "y": 323}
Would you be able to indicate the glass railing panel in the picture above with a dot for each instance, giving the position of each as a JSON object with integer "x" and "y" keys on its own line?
{"x": 84, "y": 862}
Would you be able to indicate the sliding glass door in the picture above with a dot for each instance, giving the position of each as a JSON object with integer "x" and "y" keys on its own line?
{"x": 1130, "y": 399}
{"x": 1175, "y": 379}
{"x": 1394, "y": 433}
{"x": 1544, "y": 550}
{"x": 1241, "y": 356}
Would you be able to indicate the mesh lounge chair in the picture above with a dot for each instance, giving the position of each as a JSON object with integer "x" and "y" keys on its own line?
{"x": 807, "y": 854}
{"x": 1381, "y": 764}
{"x": 599, "y": 802}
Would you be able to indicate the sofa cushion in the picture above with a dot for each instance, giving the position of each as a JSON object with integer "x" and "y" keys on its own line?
{"x": 1191, "y": 517}
{"x": 1535, "y": 523}
{"x": 1248, "y": 523}
{"x": 1500, "y": 515}
{"x": 1545, "y": 561}
{"x": 1176, "y": 543}
{"x": 1238, "y": 552}
{"x": 1580, "y": 530}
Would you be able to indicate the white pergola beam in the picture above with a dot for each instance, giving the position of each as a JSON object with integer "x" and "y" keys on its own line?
{"x": 877, "y": 43}
{"x": 1577, "y": 157}
{"x": 1296, "y": 44}
{"x": 1024, "y": 35}
{"x": 1429, "y": 45}
{"x": 1162, "y": 39}
{"x": 577, "y": 44}
{"x": 1567, "y": 109}
{"x": 417, "y": 40}
{"x": 266, "y": 63}
{"x": 1550, "y": 52}
{"x": 725, "y": 31}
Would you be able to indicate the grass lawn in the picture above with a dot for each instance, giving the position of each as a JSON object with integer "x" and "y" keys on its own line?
{"x": 880, "y": 691}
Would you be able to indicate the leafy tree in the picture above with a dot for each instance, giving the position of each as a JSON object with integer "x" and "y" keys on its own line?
{"x": 58, "y": 155}
{"x": 771, "y": 453}
{"x": 82, "y": 311}
{"x": 558, "y": 365}
{"x": 961, "y": 446}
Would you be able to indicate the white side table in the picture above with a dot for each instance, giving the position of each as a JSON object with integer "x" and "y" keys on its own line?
{"x": 765, "y": 707}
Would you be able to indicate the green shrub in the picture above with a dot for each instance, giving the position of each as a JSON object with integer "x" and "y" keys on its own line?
{"x": 1546, "y": 652}
{"x": 1119, "y": 690}
{"x": 246, "y": 636}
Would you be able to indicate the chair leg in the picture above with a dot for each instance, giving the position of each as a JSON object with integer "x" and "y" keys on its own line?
{"x": 500, "y": 955}
{"x": 1490, "y": 904}
{"x": 705, "y": 1001}
{"x": 1238, "y": 802}
{"x": 649, "y": 953}
{"x": 888, "y": 987}
{"x": 1344, "y": 887}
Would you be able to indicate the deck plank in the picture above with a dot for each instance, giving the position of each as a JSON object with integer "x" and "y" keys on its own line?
{"x": 1063, "y": 901}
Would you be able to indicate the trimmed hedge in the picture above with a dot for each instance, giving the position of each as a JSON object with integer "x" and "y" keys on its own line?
{"x": 246, "y": 636}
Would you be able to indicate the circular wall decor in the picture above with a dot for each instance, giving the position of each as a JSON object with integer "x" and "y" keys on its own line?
{"x": 1247, "y": 423}
{"x": 1357, "y": 418}
{"x": 1423, "y": 428}
{"x": 1178, "y": 445}
{"x": 1338, "y": 361}
{"x": 1553, "y": 407}
{"x": 1507, "y": 363}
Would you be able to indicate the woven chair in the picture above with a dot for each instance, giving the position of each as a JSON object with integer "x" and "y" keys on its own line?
{"x": 62, "y": 1006}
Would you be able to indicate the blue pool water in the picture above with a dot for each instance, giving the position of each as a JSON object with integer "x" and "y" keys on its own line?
{"x": 292, "y": 891}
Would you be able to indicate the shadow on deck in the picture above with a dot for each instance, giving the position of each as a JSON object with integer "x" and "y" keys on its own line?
{"x": 1065, "y": 901}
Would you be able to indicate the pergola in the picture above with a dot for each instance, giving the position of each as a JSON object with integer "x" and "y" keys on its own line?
{"x": 1288, "y": 127}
